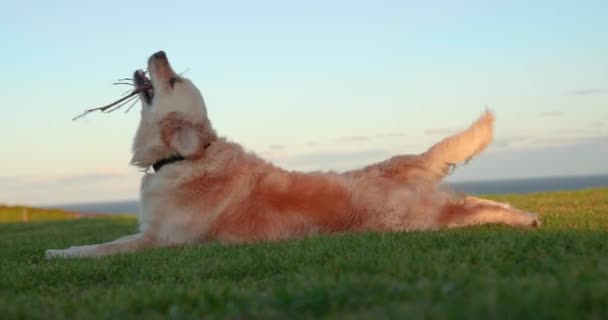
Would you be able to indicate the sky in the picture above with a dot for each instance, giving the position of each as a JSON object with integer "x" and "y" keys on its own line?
{"x": 308, "y": 85}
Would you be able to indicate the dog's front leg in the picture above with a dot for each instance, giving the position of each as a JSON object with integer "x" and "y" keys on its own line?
{"x": 126, "y": 244}
{"x": 476, "y": 211}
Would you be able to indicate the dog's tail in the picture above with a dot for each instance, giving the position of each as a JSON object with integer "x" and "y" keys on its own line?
{"x": 460, "y": 147}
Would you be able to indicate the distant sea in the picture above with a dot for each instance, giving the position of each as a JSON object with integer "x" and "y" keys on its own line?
{"x": 471, "y": 187}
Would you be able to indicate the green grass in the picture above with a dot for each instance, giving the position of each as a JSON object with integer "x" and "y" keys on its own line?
{"x": 557, "y": 272}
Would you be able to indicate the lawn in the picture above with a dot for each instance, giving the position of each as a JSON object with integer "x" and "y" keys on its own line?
{"x": 557, "y": 272}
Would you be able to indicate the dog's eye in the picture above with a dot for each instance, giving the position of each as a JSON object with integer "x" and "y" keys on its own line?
{"x": 172, "y": 81}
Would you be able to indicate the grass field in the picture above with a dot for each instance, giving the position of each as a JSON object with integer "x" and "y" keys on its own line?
{"x": 557, "y": 272}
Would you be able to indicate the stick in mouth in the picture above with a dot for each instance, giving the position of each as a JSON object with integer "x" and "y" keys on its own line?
{"x": 142, "y": 85}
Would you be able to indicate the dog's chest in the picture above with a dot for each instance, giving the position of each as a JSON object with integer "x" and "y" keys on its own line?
{"x": 171, "y": 224}
{"x": 177, "y": 214}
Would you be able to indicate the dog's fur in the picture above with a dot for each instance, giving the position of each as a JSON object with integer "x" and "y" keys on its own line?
{"x": 221, "y": 192}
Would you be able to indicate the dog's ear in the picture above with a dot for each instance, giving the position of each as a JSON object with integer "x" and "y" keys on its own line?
{"x": 184, "y": 137}
{"x": 186, "y": 141}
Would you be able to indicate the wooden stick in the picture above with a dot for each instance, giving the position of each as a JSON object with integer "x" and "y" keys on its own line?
{"x": 104, "y": 108}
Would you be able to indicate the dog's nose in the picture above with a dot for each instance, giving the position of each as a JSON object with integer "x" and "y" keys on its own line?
{"x": 160, "y": 55}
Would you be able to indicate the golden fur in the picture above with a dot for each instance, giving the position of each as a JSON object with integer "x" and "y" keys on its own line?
{"x": 222, "y": 193}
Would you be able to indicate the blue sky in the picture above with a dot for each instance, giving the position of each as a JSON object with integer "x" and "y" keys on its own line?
{"x": 309, "y": 85}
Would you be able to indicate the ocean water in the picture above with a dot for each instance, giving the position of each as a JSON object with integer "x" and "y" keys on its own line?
{"x": 531, "y": 184}
{"x": 471, "y": 187}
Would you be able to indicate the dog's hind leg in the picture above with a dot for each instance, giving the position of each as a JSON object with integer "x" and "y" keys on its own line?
{"x": 475, "y": 211}
{"x": 126, "y": 244}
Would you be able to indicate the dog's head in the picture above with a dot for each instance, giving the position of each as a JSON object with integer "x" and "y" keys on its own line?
{"x": 173, "y": 116}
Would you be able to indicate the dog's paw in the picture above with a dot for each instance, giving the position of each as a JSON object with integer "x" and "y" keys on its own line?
{"x": 72, "y": 252}
{"x": 534, "y": 220}
{"x": 536, "y": 223}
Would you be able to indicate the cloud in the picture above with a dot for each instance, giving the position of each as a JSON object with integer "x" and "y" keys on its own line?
{"x": 312, "y": 143}
{"x": 386, "y": 135}
{"x": 558, "y": 141}
{"x": 510, "y": 141}
{"x": 334, "y": 160}
{"x": 569, "y": 138}
{"x": 440, "y": 131}
{"x": 597, "y": 124}
{"x": 352, "y": 139}
{"x": 558, "y": 138}
{"x": 276, "y": 147}
{"x": 390, "y": 135}
{"x": 569, "y": 131}
{"x": 274, "y": 155}
{"x": 589, "y": 91}
{"x": 502, "y": 143}
{"x": 551, "y": 114}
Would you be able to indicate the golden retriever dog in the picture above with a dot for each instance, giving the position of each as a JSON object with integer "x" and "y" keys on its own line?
{"x": 205, "y": 188}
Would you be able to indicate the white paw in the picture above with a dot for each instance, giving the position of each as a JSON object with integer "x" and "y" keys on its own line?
{"x": 72, "y": 252}
{"x": 51, "y": 254}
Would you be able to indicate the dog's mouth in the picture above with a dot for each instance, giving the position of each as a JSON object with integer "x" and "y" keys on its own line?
{"x": 144, "y": 86}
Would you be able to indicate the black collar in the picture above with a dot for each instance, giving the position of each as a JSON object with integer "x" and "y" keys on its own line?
{"x": 168, "y": 160}
{"x": 171, "y": 159}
